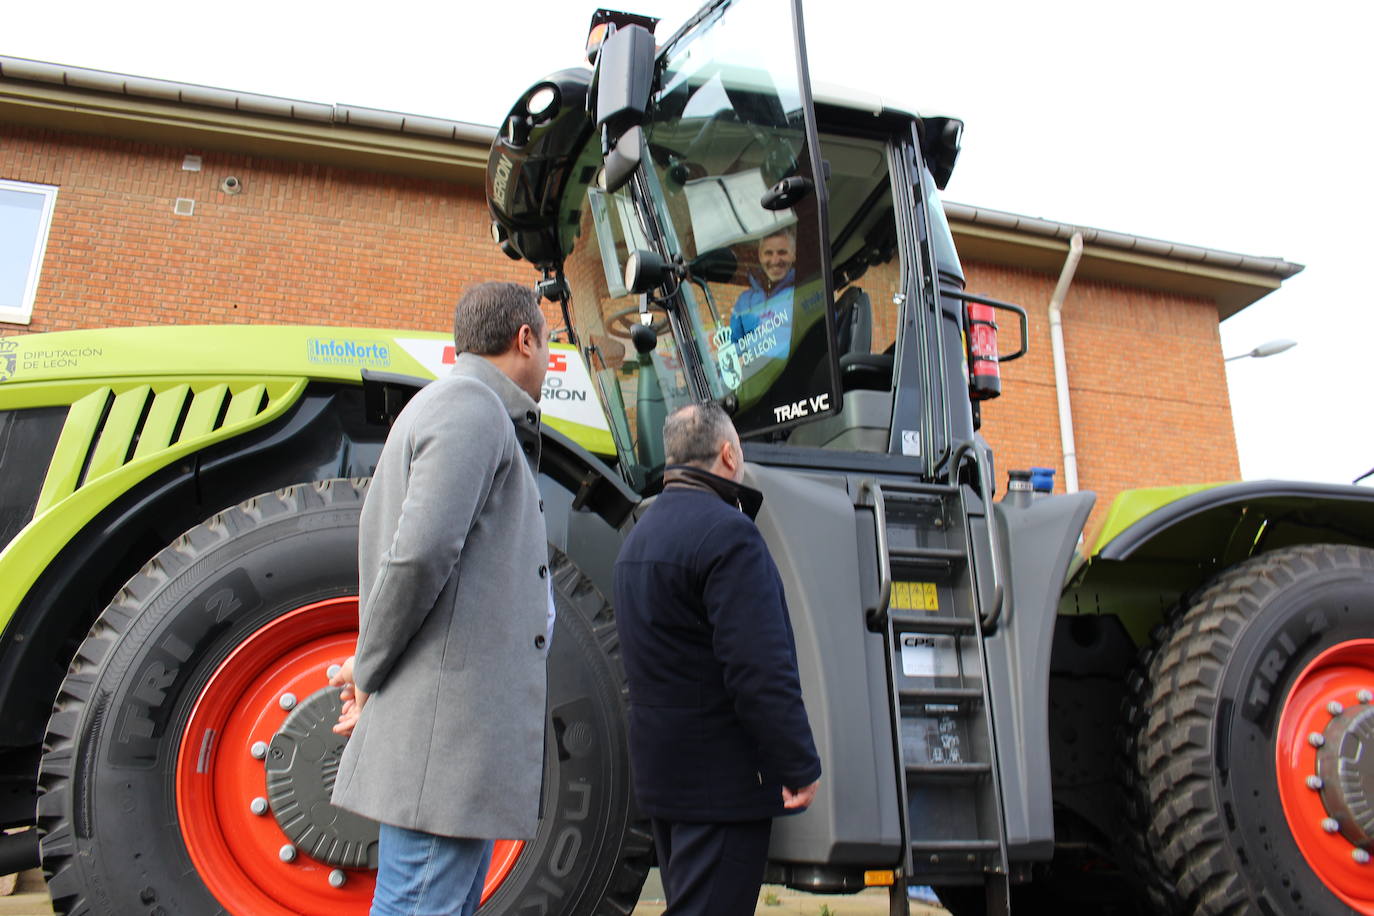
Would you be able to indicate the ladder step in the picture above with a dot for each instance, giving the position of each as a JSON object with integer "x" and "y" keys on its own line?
{"x": 916, "y": 555}
{"x": 954, "y": 846}
{"x": 961, "y": 770}
{"x": 910, "y": 490}
{"x": 940, "y": 694}
{"x": 906, "y": 621}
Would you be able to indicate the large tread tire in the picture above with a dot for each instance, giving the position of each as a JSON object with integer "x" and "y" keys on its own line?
{"x": 1150, "y": 882}
{"x": 1206, "y": 713}
{"x": 112, "y": 842}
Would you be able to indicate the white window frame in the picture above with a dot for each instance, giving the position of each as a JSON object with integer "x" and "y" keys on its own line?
{"x": 22, "y": 313}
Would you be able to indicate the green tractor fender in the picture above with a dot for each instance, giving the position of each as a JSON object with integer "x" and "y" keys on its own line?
{"x": 1156, "y": 545}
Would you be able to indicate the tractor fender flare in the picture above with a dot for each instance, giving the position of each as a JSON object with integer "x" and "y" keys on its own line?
{"x": 1345, "y": 510}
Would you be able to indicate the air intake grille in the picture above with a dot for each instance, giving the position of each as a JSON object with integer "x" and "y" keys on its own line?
{"x": 108, "y": 429}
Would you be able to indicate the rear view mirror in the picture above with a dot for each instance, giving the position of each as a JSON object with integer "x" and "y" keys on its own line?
{"x": 715, "y": 266}
{"x": 622, "y": 160}
{"x": 624, "y": 83}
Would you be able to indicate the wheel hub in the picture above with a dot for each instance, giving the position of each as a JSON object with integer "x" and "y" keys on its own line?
{"x": 1345, "y": 768}
{"x": 302, "y": 762}
{"x": 1324, "y": 756}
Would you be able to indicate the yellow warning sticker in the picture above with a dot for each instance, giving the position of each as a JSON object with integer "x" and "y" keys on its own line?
{"x": 915, "y": 596}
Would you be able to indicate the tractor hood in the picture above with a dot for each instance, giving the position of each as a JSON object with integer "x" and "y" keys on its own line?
{"x": 313, "y": 353}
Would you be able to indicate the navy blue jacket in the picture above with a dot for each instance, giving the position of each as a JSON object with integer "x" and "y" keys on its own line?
{"x": 717, "y": 723}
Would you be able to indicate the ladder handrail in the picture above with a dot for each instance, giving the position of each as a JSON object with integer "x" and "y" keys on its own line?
{"x": 969, "y": 448}
{"x": 873, "y": 488}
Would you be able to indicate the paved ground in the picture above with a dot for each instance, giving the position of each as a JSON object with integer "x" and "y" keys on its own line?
{"x": 30, "y": 898}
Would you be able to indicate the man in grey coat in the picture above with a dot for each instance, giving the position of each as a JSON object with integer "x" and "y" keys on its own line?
{"x": 447, "y": 694}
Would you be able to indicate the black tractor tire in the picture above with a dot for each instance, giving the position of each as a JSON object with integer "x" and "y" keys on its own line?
{"x": 109, "y": 815}
{"x": 1206, "y": 715}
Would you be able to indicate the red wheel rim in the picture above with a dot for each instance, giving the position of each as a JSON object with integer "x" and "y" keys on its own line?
{"x": 236, "y": 852}
{"x": 1338, "y": 675}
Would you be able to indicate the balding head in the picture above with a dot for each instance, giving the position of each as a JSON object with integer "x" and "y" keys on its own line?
{"x": 702, "y": 435}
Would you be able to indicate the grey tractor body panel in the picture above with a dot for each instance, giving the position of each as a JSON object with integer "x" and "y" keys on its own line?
{"x": 808, "y": 521}
{"x": 1038, "y": 541}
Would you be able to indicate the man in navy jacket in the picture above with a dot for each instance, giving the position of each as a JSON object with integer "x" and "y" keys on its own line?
{"x": 719, "y": 738}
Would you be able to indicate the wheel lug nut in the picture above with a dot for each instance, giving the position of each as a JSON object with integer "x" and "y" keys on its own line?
{"x": 1316, "y": 739}
{"x": 1361, "y": 856}
{"x": 258, "y": 806}
{"x": 287, "y": 853}
{"x": 1330, "y": 824}
{"x": 337, "y": 878}
{"x": 288, "y": 701}
{"x": 1335, "y": 708}
{"x": 333, "y": 671}
{"x": 1314, "y": 782}
{"x": 1365, "y": 696}
{"x": 258, "y": 750}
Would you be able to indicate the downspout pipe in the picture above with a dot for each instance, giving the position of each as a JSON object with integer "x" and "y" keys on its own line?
{"x": 1061, "y": 369}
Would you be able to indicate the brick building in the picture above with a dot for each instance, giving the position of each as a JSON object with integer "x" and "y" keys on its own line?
{"x": 185, "y": 204}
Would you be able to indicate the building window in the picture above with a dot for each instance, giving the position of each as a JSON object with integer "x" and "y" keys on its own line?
{"x": 25, "y": 215}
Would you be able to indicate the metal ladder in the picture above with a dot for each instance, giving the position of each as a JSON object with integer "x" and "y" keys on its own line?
{"x": 929, "y": 611}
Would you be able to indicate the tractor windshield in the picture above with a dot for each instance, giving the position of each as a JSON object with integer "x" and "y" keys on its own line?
{"x": 728, "y": 192}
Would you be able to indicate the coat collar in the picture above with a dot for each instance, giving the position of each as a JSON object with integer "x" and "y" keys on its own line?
{"x": 759, "y": 281}
{"x": 524, "y": 412}
{"x": 689, "y": 477}
{"x": 517, "y": 403}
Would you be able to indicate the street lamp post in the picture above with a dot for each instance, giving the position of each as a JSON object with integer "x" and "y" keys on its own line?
{"x": 1271, "y": 348}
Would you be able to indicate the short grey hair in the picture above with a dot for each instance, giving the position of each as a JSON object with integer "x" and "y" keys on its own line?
{"x": 786, "y": 232}
{"x": 693, "y": 434}
{"x": 489, "y": 316}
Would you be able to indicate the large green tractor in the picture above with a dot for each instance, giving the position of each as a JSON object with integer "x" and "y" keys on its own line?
{"x": 1171, "y": 717}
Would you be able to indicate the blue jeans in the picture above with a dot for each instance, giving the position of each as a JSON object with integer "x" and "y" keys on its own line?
{"x": 420, "y": 874}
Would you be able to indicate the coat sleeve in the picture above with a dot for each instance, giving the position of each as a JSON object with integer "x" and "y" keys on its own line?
{"x": 455, "y": 454}
{"x": 752, "y": 640}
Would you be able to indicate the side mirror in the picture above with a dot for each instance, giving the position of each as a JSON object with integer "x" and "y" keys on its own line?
{"x": 622, "y": 160}
{"x": 715, "y": 266}
{"x": 624, "y": 83}
{"x": 624, "y": 79}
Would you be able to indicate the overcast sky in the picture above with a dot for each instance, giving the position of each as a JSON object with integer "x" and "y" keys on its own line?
{"x": 1235, "y": 125}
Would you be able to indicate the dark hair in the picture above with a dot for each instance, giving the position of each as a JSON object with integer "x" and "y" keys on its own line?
{"x": 490, "y": 315}
{"x": 693, "y": 434}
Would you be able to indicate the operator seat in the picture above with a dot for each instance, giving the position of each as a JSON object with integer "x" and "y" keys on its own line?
{"x": 866, "y": 382}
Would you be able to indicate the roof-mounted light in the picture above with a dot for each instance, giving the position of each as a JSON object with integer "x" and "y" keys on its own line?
{"x": 604, "y": 22}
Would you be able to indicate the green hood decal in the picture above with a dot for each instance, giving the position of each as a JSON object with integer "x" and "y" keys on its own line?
{"x": 323, "y": 353}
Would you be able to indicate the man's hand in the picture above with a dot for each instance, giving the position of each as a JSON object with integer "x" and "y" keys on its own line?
{"x": 794, "y": 799}
{"x": 353, "y": 699}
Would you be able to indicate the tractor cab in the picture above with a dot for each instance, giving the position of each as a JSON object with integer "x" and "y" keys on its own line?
{"x": 713, "y": 232}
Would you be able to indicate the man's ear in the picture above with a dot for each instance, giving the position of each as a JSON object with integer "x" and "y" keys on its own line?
{"x": 727, "y": 455}
{"x": 526, "y": 340}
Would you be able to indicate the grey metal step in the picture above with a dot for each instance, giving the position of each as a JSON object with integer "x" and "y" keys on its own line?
{"x": 940, "y": 694}
{"x": 905, "y": 621}
{"x": 933, "y": 554}
{"x": 954, "y": 845}
{"x": 951, "y": 770}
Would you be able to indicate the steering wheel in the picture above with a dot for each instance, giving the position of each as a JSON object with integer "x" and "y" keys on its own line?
{"x": 619, "y": 323}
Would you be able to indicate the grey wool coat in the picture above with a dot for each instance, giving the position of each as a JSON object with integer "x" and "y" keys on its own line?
{"x": 452, "y": 607}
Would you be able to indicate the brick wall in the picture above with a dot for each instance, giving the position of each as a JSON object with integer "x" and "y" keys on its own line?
{"x": 308, "y": 243}
{"x": 301, "y": 243}
{"x": 1147, "y": 386}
